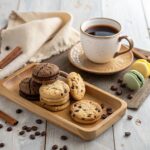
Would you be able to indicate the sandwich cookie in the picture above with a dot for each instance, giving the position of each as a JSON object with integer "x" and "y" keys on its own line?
{"x": 85, "y": 111}
{"x": 29, "y": 89}
{"x": 55, "y": 96}
{"x": 143, "y": 66}
{"x": 77, "y": 85}
{"x": 133, "y": 79}
{"x": 45, "y": 73}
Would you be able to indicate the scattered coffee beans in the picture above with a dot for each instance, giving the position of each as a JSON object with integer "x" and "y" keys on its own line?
{"x": 37, "y": 133}
{"x": 32, "y": 136}
{"x": 119, "y": 92}
{"x": 129, "y": 117}
{"x": 2, "y": 145}
{"x": 120, "y": 81}
{"x": 9, "y": 129}
{"x": 123, "y": 85}
{"x": 34, "y": 128}
{"x": 129, "y": 96}
{"x": 113, "y": 88}
{"x": 63, "y": 137}
{"x": 21, "y": 132}
{"x": 65, "y": 147}
{"x": 126, "y": 134}
{"x": 43, "y": 133}
{"x": 39, "y": 121}
{"x": 19, "y": 111}
{"x": 54, "y": 147}
{"x": 104, "y": 116}
{"x": 1, "y": 126}
{"x": 7, "y": 48}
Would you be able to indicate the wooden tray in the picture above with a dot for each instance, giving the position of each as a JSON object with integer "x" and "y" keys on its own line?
{"x": 9, "y": 89}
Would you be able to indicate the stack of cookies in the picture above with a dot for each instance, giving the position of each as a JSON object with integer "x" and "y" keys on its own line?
{"x": 42, "y": 74}
{"x": 55, "y": 97}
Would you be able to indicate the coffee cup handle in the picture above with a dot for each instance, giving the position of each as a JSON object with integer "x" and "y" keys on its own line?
{"x": 131, "y": 44}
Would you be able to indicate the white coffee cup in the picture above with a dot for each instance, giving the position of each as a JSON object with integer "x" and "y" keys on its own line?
{"x": 101, "y": 49}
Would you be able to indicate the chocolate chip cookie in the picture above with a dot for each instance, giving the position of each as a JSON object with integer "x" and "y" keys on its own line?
{"x": 77, "y": 85}
{"x": 29, "y": 89}
{"x": 85, "y": 111}
{"x": 45, "y": 73}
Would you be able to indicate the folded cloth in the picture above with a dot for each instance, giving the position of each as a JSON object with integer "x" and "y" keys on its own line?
{"x": 39, "y": 34}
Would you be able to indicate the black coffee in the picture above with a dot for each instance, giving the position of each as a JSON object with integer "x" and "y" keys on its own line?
{"x": 101, "y": 30}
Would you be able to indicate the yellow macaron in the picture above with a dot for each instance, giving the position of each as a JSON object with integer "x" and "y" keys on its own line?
{"x": 143, "y": 66}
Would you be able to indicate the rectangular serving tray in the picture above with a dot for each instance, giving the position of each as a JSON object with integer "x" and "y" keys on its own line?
{"x": 9, "y": 88}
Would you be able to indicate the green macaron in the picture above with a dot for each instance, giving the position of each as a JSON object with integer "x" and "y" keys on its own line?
{"x": 133, "y": 79}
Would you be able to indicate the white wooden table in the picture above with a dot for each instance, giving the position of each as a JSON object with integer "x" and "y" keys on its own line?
{"x": 134, "y": 15}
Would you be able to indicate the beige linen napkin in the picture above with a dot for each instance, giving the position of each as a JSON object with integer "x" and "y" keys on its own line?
{"x": 39, "y": 34}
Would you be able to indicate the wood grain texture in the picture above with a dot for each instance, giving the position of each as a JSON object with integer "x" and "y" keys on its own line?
{"x": 131, "y": 18}
{"x": 39, "y": 5}
{"x": 11, "y": 139}
{"x": 6, "y": 6}
{"x": 146, "y": 11}
{"x": 81, "y": 10}
{"x": 136, "y": 27}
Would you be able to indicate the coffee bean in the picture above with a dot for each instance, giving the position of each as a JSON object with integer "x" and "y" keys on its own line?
{"x": 109, "y": 112}
{"x": 123, "y": 85}
{"x": 24, "y": 128}
{"x": 28, "y": 129}
{"x": 61, "y": 149}
{"x": 34, "y": 128}
{"x": 113, "y": 88}
{"x": 9, "y": 129}
{"x": 102, "y": 105}
{"x": 129, "y": 117}
{"x": 37, "y": 133}
{"x": 19, "y": 111}
{"x": 39, "y": 121}
{"x": 104, "y": 116}
{"x": 21, "y": 132}
{"x": 1, "y": 126}
{"x": 126, "y": 134}
{"x": 129, "y": 96}
{"x": 65, "y": 147}
{"x": 109, "y": 109}
{"x": 119, "y": 92}
{"x": 54, "y": 147}
{"x": 43, "y": 133}
{"x": 64, "y": 137}
{"x": 7, "y": 48}
{"x": 2, "y": 145}
{"x": 32, "y": 136}
{"x": 119, "y": 80}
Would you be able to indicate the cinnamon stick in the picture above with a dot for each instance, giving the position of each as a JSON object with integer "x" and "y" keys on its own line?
{"x": 10, "y": 57}
{"x": 8, "y": 119}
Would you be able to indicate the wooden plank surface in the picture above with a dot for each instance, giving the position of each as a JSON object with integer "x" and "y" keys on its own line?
{"x": 11, "y": 139}
{"x": 136, "y": 27}
{"x": 146, "y": 10}
{"x": 135, "y": 24}
{"x": 5, "y": 8}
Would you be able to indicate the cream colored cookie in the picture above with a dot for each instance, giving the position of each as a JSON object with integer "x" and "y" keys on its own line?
{"x": 56, "y": 90}
{"x": 86, "y": 111}
{"x": 60, "y": 101}
{"x": 77, "y": 85}
{"x": 57, "y": 108}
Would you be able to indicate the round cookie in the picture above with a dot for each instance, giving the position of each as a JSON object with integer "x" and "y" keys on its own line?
{"x": 85, "y": 111}
{"x": 45, "y": 73}
{"x": 60, "y": 101}
{"x": 29, "y": 89}
{"x": 143, "y": 66}
{"x": 56, "y": 108}
{"x": 77, "y": 86}
{"x": 56, "y": 90}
